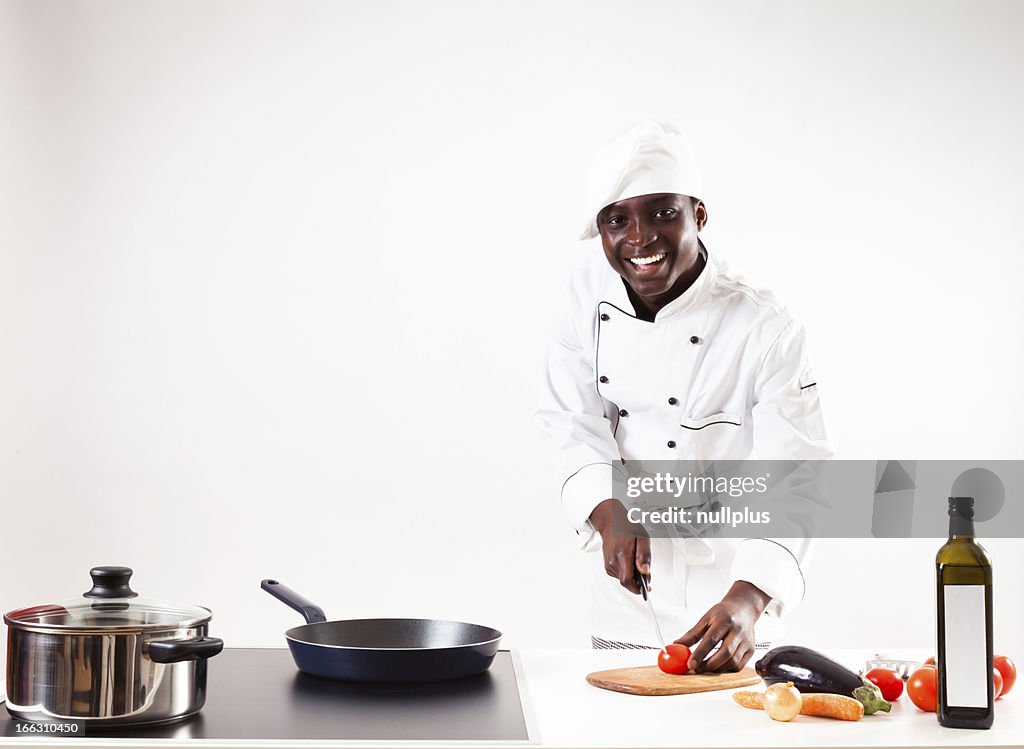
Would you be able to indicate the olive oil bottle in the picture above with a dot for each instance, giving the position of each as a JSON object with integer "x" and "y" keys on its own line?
{"x": 963, "y": 576}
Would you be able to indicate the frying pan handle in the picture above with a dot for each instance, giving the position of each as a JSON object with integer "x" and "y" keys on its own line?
{"x": 309, "y": 610}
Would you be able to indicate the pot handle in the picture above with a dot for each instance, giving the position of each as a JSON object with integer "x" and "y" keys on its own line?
{"x": 309, "y": 610}
{"x": 192, "y": 649}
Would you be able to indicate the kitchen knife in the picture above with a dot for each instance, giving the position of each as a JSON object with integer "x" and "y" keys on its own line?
{"x": 650, "y": 607}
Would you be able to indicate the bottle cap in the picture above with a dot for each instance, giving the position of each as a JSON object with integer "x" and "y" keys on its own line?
{"x": 962, "y": 506}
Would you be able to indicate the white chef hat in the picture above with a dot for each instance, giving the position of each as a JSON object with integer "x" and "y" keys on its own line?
{"x": 651, "y": 157}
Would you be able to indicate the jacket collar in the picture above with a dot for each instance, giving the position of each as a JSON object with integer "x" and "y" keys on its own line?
{"x": 679, "y": 306}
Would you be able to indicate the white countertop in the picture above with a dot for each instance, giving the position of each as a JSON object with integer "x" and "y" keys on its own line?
{"x": 571, "y": 713}
{"x": 563, "y": 710}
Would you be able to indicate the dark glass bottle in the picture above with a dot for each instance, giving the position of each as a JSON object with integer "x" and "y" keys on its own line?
{"x": 963, "y": 576}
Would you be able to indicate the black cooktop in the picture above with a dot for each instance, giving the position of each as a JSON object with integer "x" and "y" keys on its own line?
{"x": 258, "y": 694}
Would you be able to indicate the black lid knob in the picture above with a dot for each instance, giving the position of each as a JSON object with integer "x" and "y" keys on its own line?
{"x": 110, "y": 582}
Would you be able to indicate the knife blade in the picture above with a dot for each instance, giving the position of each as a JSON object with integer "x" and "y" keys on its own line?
{"x": 650, "y": 607}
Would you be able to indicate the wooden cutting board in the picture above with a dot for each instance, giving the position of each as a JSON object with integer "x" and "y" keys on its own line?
{"x": 652, "y": 681}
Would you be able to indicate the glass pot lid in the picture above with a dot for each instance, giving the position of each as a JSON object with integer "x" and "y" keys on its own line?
{"x": 110, "y": 605}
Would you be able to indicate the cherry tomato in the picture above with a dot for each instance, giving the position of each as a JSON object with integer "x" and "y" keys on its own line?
{"x": 1008, "y": 671}
{"x": 929, "y": 661}
{"x": 674, "y": 659}
{"x": 886, "y": 680}
{"x": 922, "y": 688}
{"x": 997, "y": 683}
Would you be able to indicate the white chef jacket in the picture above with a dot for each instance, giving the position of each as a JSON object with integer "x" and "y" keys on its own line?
{"x": 721, "y": 374}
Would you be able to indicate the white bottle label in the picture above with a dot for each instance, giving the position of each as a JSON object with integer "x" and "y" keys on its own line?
{"x": 967, "y": 676}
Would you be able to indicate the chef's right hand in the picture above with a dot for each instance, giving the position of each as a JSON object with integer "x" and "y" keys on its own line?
{"x": 626, "y": 545}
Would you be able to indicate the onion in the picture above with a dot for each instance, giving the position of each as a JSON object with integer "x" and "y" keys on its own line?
{"x": 782, "y": 701}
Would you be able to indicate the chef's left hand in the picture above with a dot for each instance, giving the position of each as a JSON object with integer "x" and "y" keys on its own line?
{"x": 730, "y": 622}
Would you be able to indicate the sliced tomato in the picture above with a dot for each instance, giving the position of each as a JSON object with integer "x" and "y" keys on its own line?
{"x": 674, "y": 659}
{"x": 997, "y": 683}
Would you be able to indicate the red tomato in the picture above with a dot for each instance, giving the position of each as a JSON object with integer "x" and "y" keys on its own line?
{"x": 930, "y": 660}
{"x": 674, "y": 659}
{"x": 997, "y": 683}
{"x": 922, "y": 688}
{"x": 886, "y": 680}
{"x": 1008, "y": 671}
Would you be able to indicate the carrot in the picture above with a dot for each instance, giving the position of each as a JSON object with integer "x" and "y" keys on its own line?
{"x": 832, "y": 706}
{"x": 821, "y": 705}
{"x": 754, "y": 700}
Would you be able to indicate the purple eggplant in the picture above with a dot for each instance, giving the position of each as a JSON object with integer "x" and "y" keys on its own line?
{"x": 811, "y": 671}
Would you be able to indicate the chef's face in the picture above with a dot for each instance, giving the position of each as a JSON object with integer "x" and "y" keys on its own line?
{"x": 651, "y": 241}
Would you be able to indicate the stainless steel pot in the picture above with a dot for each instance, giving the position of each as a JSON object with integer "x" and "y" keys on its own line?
{"x": 108, "y": 657}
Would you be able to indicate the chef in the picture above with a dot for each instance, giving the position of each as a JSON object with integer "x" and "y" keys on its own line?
{"x": 664, "y": 352}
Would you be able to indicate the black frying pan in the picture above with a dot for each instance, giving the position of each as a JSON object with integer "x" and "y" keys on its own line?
{"x": 384, "y": 650}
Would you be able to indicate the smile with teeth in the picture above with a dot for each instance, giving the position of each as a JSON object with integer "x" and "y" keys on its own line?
{"x": 649, "y": 260}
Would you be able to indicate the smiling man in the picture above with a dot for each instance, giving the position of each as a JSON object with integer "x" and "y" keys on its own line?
{"x": 665, "y": 353}
{"x": 651, "y": 241}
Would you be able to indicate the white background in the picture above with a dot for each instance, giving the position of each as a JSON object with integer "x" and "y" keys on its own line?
{"x": 275, "y": 279}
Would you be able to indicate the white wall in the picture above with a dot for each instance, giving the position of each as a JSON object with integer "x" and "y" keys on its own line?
{"x": 274, "y": 282}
